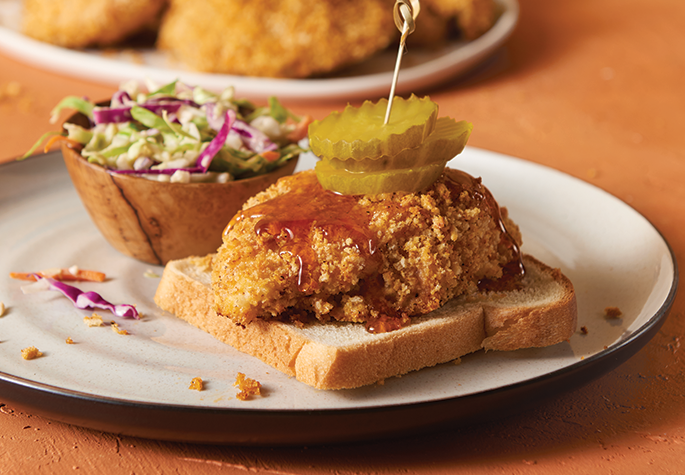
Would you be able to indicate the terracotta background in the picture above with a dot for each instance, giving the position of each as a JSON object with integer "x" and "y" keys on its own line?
{"x": 591, "y": 87}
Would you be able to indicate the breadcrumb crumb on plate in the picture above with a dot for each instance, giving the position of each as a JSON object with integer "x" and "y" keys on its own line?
{"x": 613, "y": 312}
{"x": 93, "y": 321}
{"x": 116, "y": 329}
{"x": 248, "y": 387}
{"x": 31, "y": 353}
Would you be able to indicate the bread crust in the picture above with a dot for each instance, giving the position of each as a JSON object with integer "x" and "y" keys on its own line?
{"x": 343, "y": 355}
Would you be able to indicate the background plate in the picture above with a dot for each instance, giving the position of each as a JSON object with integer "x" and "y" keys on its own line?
{"x": 420, "y": 68}
{"x": 138, "y": 384}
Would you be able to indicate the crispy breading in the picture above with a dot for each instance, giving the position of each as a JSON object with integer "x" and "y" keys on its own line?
{"x": 82, "y": 23}
{"x": 473, "y": 17}
{"x": 428, "y": 248}
{"x": 275, "y": 38}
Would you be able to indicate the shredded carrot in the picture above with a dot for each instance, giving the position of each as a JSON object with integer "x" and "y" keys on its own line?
{"x": 301, "y": 129}
{"x": 270, "y": 155}
{"x": 60, "y": 138}
{"x": 64, "y": 275}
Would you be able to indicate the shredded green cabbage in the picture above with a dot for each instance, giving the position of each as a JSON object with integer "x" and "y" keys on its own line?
{"x": 170, "y": 127}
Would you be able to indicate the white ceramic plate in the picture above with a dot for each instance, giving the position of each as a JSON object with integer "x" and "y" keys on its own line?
{"x": 567, "y": 223}
{"x": 420, "y": 68}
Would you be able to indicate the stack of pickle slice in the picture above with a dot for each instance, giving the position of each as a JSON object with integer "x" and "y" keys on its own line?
{"x": 362, "y": 155}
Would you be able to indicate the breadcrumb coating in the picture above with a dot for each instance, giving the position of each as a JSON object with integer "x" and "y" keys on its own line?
{"x": 275, "y": 38}
{"x": 83, "y": 23}
{"x": 429, "y": 247}
{"x": 472, "y": 17}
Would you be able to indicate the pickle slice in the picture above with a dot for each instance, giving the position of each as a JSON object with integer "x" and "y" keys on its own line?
{"x": 447, "y": 141}
{"x": 360, "y": 133}
{"x": 386, "y": 181}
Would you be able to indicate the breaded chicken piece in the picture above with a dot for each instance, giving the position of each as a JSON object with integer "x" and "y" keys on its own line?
{"x": 473, "y": 17}
{"x": 83, "y": 23}
{"x": 297, "y": 249}
{"x": 275, "y": 38}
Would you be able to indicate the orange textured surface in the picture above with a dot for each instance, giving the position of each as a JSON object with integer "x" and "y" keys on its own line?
{"x": 591, "y": 88}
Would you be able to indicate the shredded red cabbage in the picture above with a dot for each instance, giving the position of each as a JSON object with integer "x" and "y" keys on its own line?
{"x": 120, "y": 110}
{"x": 205, "y": 158}
{"x": 120, "y": 98}
{"x": 81, "y": 299}
{"x": 108, "y": 115}
{"x": 213, "y": 121}
{"x": 253, "y": 138}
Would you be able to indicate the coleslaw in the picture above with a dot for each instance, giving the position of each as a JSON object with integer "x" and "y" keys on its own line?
{"x": 179, "y": 133}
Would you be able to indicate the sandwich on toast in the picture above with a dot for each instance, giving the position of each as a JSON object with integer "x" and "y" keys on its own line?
{"x": 380, "y": 262}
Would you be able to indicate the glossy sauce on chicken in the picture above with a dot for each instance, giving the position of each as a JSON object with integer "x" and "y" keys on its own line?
{"x": 289, "y": 218}
{"x": 513, "y": 271}
{"x": 284, "y": 224}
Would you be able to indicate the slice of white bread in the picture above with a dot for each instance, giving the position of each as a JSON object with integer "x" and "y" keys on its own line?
{"x": 344, "y": 355}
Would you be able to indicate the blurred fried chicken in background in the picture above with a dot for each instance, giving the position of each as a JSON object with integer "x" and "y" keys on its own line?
{"x": 440, "y": 20}
{"x": 83, "y": 23}
{"x": 275, "y": 38}
{"x": 269, "y": 38}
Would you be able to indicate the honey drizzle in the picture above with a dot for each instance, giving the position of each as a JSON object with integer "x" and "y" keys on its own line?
{"x": 513, "y": 271}
{"x": 289, "y": 219}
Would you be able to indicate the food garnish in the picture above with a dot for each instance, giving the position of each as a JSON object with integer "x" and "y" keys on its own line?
{"x": 69, "y": 341}
{"x": 359, "y": 132}
{"x": 71, "y": 274}
{"x": 407, "y": 154}
{"x": 81, "y": 299}
{"x": 196, "y": 384}
{"x": 180, "y": 133}
{"x": 393, "y": 145}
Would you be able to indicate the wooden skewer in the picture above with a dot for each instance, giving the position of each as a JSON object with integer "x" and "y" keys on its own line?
{"x": 404, "y": 14}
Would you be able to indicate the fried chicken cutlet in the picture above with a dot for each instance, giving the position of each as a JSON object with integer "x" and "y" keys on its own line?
{"x": 83, "y": 23}
{"x": 297, "y": 249}
{"x": 275, "y": 38}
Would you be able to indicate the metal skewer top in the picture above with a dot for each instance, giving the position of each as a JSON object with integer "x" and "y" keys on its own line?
{"x": 404, "y": 13}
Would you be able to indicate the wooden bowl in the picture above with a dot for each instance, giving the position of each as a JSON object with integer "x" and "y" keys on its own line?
{"x": 157, "y": 222}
